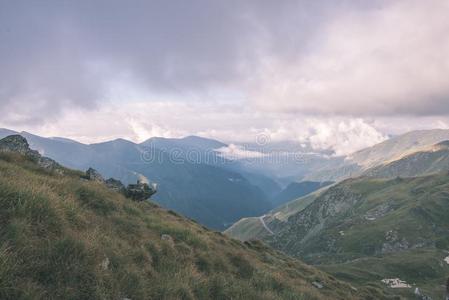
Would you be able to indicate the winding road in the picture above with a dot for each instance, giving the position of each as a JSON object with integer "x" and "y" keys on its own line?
{"x": 265, "y": 225}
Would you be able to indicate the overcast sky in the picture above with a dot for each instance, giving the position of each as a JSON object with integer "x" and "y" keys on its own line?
{"x": 337, "y": 74}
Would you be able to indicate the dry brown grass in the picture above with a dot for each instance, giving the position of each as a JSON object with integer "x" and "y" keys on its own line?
{"x": 57, "y": 233}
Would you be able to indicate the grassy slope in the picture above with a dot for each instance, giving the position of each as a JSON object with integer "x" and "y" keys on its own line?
{"x": 64, "y": 238}
{"x": 412, "y": 165}
{"x": 416, "y": 209}
{"x": 251, "y": 228}
{"x": 379, "y": 154}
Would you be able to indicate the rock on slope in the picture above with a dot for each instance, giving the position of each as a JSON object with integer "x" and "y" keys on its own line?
{"x": 62, "y": 237}
{"x": 19, "y": 145}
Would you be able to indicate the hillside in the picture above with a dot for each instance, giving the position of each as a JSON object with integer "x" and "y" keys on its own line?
{"x": 201, "y": 186}
{"x": 390, "y": 150}
{"x": 63, "y": 237}
{"x": 253, "y": 228}
{"x": 296, "y": 190}
{"x": 430, "y": 160}
{"x": 427, "y": 161}
{"x": 398, "y": 146}
{"x": 365, "y": 230}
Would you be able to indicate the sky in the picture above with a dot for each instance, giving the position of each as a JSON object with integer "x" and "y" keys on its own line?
{"x": 339, "y": 75}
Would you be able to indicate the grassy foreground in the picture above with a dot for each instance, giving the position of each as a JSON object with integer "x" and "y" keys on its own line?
{"x": 65, "y": 238}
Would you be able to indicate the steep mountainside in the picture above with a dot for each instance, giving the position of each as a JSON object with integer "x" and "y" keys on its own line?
{"x": 296, "y": 190}
{"x": 398, "y": 146}
{"x": 62, "y": 237}
{"x": 264, "y": 226}
{"x": 432, "y": 160}
{"x": 380, "y": 154}
{"x": 366, "y": 230}
{"x": 201, "y": 187}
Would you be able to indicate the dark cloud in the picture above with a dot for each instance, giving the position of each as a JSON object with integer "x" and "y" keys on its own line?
{"x": 56, "y": 54}
{"x": 63, "y": 54}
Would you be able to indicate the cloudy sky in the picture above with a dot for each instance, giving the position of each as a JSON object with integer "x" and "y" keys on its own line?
{"x": 337, "y": 74}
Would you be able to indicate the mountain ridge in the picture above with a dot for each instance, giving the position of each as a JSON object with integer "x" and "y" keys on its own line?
{"x": 398, "y": 227}
{"x": 195, "y": 189}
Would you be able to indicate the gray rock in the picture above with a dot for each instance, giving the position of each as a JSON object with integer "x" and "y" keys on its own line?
{"x": 168, "y": 238}
{"x": 394, "y": 243}
{"x": 94, "y": 175}
{"x": 49, "y": 164}
{"x": 318, "y": 285}
{"x": 115, "y": 185}
{"x": 140, "y": 191}
{"x": 15, "y": 143}
{"x": 18, "y": 144}
{"x": 105, "y": 264}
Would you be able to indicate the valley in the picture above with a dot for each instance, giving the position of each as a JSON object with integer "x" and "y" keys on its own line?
{"x": 384, "y": 232}
{"x": 388, "y": 222}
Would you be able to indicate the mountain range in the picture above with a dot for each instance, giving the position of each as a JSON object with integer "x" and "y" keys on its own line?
{"x": 390, "y": 150}
{"x": 205, "y": 187}
{"x": 382, "y": 226}
{"x": 65, "y": 237}
{"x": 387, "y": 222}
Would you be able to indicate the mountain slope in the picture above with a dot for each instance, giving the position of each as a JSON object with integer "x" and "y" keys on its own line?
{"x": 258, "y": 228}
{"x": 62, "y": 237}
{"x": 392, "y": 149}
{"x": 432, "y": 160}
{"x": 399, "y": 146}
{"x": 398, "y": 227}
{"x": 212, "y": 194}
{"x": 296, "y": 190}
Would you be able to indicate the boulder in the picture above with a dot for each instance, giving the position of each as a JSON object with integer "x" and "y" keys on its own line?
{"x": 105, "y": 264}
{"x": 115, "y": 185}
{"x": 94, "y": 175}
{"x": 140, "y": 191}
{"x": 18, "y": 144}
{"x": 168, "y": 238}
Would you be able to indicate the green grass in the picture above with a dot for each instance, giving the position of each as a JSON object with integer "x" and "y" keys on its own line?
{"x": 62, "y": 237}
{"x": 338, "y": 234}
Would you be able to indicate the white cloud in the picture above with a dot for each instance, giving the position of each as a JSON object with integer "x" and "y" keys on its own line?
{"x": 344, "y": 136}
{"x": 389, "y": 61}
{"x": 139, "y": 121}
{"x": 333, "y": 76}
{"x": 234, "y": 152}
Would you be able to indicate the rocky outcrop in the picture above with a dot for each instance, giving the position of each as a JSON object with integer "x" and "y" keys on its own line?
{"x": 115, "y": 185}
{"x": 140, "y": 191}
{"x": 394, "y": 243}
{"x": 18, "y": 144}
{"x": 94, "y": 175}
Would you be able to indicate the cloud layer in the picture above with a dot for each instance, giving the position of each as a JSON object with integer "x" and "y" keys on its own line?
{"x": 338, "y": 75}
{"x": 387, "y": 61}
